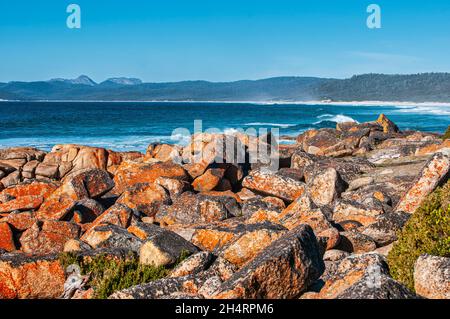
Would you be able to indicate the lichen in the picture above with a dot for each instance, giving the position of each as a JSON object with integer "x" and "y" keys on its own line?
{"x": 427, "y": 232}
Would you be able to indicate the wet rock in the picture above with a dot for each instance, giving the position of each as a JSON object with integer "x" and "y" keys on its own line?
{"x": 6, "y": 238}
{"x": 434, "y": 172}
{"x": 432, "y": 277}
{"x": 325, "y": 187}
{"x": 145, "y": 198}
{"x": 48, "y": 237}
{"x": 269, "y": 183}
{"x": 283, "y": 270}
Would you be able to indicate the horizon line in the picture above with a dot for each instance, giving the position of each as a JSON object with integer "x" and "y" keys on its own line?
{"x": 230, "y": 81}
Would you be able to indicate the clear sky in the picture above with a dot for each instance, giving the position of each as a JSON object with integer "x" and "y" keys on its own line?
{"x": 221, "y": 40}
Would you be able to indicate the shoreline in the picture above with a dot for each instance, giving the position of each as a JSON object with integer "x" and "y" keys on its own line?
{"x": 312, "y": 102}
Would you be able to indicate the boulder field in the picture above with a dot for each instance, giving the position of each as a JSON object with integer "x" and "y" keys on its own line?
{"x": 179, "y": 223}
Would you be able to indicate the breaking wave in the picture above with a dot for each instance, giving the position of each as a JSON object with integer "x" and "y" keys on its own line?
{"x": 340, "y": 118}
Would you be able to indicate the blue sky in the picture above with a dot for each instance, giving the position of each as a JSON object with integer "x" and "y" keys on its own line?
{"x": 221, "y": 40}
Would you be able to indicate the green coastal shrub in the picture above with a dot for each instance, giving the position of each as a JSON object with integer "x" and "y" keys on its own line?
{"x": 427, "y": 232}
{"x": 108, "y": 275}
{"x": 446, "y": 134}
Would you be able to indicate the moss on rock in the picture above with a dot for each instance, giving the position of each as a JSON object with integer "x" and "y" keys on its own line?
{"x": 427, "y": 232}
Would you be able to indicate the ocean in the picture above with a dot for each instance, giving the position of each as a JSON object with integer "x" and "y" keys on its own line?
{"x": 126, "y": 126}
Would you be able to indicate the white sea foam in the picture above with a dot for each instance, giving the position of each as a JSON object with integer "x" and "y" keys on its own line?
{"x": 433, "y": 110}
{"x": 340, "y": 118}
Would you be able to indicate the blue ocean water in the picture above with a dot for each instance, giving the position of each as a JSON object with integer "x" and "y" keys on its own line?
{"x": 126, "y": 126}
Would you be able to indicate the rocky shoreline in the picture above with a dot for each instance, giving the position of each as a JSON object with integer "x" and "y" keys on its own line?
{"x": 83, "y": 222}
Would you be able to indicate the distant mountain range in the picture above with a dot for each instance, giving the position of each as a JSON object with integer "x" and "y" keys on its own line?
{"x": 426, "y": 87}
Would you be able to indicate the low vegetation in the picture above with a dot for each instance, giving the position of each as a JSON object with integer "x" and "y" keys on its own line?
{"x": 446, "y": 134}
{"x": 427, "y": 232}
{"x": 109, "y": 274}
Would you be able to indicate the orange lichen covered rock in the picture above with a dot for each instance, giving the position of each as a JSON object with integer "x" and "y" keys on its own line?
{"x": 251, "y": 243}
{"x": 209, "y": 180}
{"x": 88, "y": 184}
{"x": 282, "y": 270}
{"x": 145, "y": 197}
{"x": 20, "y": 221}
{"x": 162, "y": 152}
{"x": 429, "y": 178}
{"x": 130, "y": 173}
{"x": 210, "y": 239}
{"x": 32, "y": 189}
{"x": 118, "y": 214}
{"x": 23, "y": 277}
{"x": 353, "y": 211}
{"x": 48, "y": 237}
{"x": 303, "y": 211}
{"x": 22, "y": 203}
{"x": 6, "y": 238}
{"x": 271, "y": 183}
